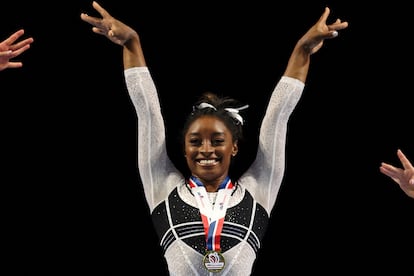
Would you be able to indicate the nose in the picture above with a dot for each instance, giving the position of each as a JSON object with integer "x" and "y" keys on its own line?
{"x": 206, "y": 147}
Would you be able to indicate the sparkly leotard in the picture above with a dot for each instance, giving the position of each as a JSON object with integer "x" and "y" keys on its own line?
{"x": 173, "y": 207}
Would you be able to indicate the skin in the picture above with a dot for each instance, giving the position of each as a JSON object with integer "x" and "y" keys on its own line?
{"x": 9, "y": 49}
{"x": 404, "y": 177}
{"x": 209, "y": 140}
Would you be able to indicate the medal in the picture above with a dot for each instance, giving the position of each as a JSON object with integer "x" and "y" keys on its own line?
{"x": 212, "y": 217}
{"x": 214, "y": 261}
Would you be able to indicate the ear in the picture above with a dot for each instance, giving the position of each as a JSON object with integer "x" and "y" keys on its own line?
{"x": 235, "y": 148}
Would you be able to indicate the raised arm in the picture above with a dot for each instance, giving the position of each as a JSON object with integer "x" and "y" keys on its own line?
{"x": 158, "y": 173}
{"x": 266, "y": 173}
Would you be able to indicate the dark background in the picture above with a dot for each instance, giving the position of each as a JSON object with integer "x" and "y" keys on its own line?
{"x": 73, "y": 201}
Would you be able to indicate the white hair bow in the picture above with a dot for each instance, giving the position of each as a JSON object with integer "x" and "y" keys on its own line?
{"x": 233, "y": 112}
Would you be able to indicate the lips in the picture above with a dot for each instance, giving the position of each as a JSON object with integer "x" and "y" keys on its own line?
{"x": 207, "y": 162}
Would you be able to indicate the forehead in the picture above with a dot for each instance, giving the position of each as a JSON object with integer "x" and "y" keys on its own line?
{"x": 207, "y": 122}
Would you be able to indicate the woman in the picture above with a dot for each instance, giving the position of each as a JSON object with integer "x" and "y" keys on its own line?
{"x": 209, "y": 223}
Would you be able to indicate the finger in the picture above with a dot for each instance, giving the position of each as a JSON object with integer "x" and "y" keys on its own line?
{"x": 101, "y": 10}
{"x": 98, "y": 31}
{"x": 20, "y": 50}
{"x": 5, "y": 53}
{"x": 389, "y": 170}
{"x": 21, "y": 44}
{"x": 15, "y": 64}
{"x": 404, "y": 160}
{"x": 90, "y": 19}
{"x": 11, "y": 39}
{"x": 325, "y": 15}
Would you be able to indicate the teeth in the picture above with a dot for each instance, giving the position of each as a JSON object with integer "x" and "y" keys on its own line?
{"x": 205, "y": 162}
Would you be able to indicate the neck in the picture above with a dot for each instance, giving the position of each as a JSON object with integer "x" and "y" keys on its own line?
{"x": 210, "y": 186}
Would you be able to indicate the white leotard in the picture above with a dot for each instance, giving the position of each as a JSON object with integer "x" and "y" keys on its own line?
{"x": 173, "y": 207}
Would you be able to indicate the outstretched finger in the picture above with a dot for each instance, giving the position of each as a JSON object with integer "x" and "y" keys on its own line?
{"x": 324, "y": 15}
{"x": 90, "y": 19}
{"x": 11, "y": 39}
{"x": 404, "y": 160}
{"x": 101, "y": 10}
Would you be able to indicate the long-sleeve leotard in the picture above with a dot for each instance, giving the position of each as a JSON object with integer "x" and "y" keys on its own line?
{"x": 174, "y": 209}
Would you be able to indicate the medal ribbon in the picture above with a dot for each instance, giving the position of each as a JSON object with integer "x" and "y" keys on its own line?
{"x": 212, "y": 216}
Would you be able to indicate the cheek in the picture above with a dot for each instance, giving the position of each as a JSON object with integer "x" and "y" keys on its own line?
{"x": 189, "y": 152}
{"x": 227, "y": 158}
{"x": 189, "y": 157}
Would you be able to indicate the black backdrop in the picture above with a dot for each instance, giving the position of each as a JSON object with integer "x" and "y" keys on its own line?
{"x": 73, "y": 201}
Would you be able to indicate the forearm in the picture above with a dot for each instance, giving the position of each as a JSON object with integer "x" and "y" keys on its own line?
{"x": 133, "y": 55}
{"x": 298, "y": 64}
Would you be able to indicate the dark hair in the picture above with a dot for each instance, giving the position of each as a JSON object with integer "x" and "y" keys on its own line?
{"x": 224, "y": 108}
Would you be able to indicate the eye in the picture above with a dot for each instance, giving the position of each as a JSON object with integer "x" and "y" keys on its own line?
{"x": 194, "y": 142}
{"x": 218, "y": 142}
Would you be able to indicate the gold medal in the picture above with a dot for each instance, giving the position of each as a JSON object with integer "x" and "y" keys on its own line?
{"x": 214, "y": 261}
